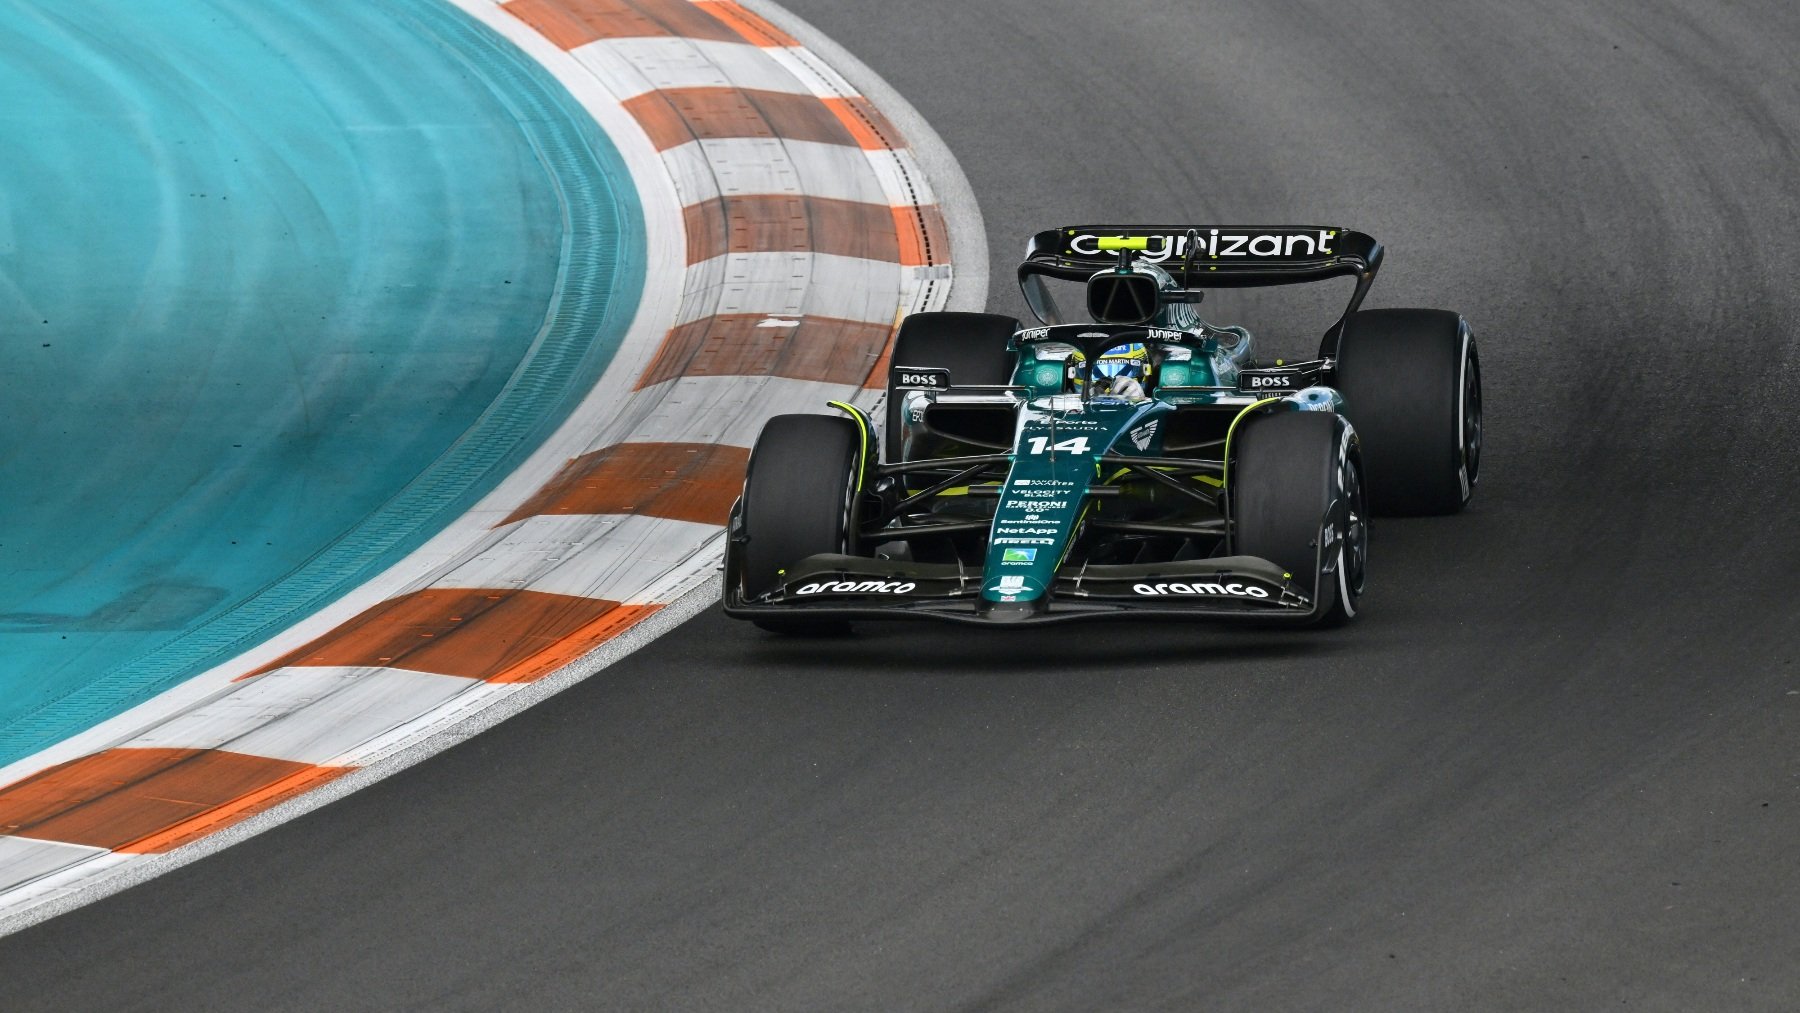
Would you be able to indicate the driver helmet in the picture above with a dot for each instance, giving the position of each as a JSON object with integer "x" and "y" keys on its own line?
{"x": 1131, "y": 361}
{"x": 1120, "y": 370}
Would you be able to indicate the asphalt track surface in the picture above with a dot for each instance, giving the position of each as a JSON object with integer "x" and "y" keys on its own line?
{"x": 1553, "y": 766}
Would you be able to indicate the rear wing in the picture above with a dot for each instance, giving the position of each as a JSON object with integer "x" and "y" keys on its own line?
{"x": 1201, "y": 257}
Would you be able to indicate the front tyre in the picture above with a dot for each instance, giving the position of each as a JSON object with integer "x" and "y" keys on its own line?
{"x": 1297, "y": 501}
{"x": 1411, "y": 381}
{"x": 800, "y": 499}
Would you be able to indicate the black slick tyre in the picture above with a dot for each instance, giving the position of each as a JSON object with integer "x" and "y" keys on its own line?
{"x": 800, "y": 499}
{"x": 1411, "y": 382}
{"x": 1297, "y": 501}
{"x": 972, "y": 346}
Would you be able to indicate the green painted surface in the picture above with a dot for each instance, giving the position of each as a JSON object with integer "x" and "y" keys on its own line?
{"x": 282, "y": 289}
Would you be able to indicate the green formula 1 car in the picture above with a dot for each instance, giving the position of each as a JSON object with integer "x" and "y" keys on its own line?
{"x": 1141, "y": 465}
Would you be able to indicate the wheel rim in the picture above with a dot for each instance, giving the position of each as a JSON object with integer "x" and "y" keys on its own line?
{"x": 1471, "y": 422}
{"x": 1356, "y": 531}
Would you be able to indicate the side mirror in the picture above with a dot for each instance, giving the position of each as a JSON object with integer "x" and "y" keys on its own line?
{"x": 1115, "y": 298}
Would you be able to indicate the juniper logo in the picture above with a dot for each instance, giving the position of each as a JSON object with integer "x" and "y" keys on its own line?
{"x": 1218, "y": 245}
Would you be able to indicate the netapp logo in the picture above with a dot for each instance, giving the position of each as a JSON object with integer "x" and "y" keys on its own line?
{"x": 1263, "y": 382}
{"x": 857, "y": 587}
{"x": 1025, "y": 531}
{"x": 1213, "y": 245}
{"x": 1216, "y": 590}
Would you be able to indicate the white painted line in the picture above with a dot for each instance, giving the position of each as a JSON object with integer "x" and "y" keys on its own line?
{"x": 726, "y": 409}
{"x": 812, "y": 74}
{"x": 24, "y": 859}
{"x": 794, "y": 284}
{"x": 610, "y": 556}
{"x": 306, "y": 714}
{"x": 902, "y": 181}
{"x": 84, "y": 879}
{"x": 705, "y": 170}
{"x": 632, "y": 67}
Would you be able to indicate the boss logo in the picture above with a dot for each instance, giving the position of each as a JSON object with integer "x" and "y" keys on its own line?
{"x": 1266, "y": 382}
{"x": 857, "y": 587}
{"x": 1217, "y": 590}
{"x": 913, "y": 378}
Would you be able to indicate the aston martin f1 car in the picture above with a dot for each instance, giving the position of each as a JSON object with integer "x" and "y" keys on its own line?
{"x": 1143, "y": 464}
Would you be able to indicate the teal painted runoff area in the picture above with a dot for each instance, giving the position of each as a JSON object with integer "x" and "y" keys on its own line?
{"x": 283, "y": 289}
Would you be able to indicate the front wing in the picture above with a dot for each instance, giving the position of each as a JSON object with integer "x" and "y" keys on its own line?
{"x": 1241, "y": 588}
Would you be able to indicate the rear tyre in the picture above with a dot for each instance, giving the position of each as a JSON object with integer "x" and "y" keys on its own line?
{"x": 1411, "y": 382}
{"x": 1297, "y": 501}
{"x": 972, "y": 346}
{"x": 800, "y": 499}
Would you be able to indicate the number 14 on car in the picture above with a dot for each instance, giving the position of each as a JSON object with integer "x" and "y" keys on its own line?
{"x": 1073, "y": 445}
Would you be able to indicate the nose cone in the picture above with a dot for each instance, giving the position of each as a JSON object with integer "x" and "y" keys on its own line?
{"x": 1010, "y": 611}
